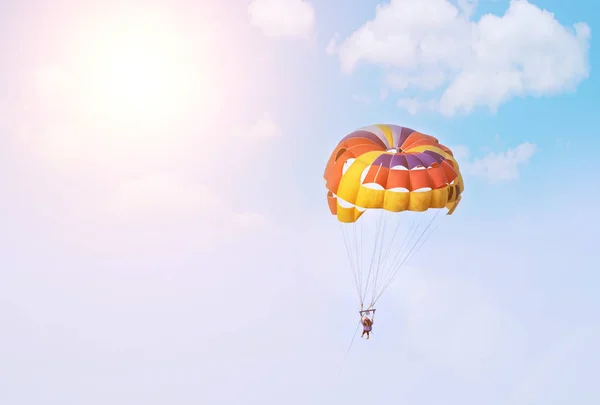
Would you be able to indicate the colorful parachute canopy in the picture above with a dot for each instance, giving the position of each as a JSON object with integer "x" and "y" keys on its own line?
{"x": 392, "y": 168}
{"x": 399, "y": 176}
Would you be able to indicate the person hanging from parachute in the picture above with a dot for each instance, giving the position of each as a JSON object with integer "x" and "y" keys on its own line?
{"x": 367, "y": 322}
{"x": 397, "y": 174}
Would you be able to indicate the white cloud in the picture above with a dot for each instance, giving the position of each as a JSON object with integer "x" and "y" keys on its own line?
{"x": 361, "y": 99}
{"x": 161, "y": 194}
{"x": 250, "y": 220}
{"x": 264, "y": 127}
{"x": 169, "y": 196}
{"x": 332, "y": 45}
{"x": 435, "y": 304}
{"x": 467, "y": 7}
{"x": 431, "y": 45}
{"x": 383, "y": 93}
{"x": 413, "y": 106}
{"x": 497, "y": 167}
{"x": 461, "y": 152}
{"x": 283, "y": 18}
{"x": 426, "y": 80}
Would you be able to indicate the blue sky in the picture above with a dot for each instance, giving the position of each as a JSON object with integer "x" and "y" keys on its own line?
{"x": 166, "y": 237}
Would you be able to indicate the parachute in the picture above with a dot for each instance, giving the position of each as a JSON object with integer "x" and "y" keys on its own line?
{"x": 386, "y": 185}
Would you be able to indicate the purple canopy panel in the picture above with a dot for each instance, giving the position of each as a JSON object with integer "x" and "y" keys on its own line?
{"x": 365, "y": 135}
{"x": 426, "y": 159}
{"x": 404, "y": 134}
{"x": 413, "y": 161}
{"x": 399, "y": 160}
{"x": 438, "y": 158}
{"x": 383, "y": 160}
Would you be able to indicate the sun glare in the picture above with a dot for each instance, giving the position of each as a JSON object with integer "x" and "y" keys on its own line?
{"x": 136, "y": 71}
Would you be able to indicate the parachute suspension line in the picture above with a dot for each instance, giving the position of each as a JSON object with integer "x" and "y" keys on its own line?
{"x": 378, "y": 236}
{"x": 359, "y": 255}
{"x": 410, "y": 254}
{"x": 389, "y": 249}
{"x": 385, "y": 262}
{"x": 400, "y": 250}
{"x": 378, "y": 240}
{"x": 379, "y": 258}
{"x": 378, "y": 245}
{"x": 426, "y": 237}
{"x": 358, "y": 252}
{"x": 385, "y": 257}
{"x": 349, "y": 347}
{"x": 377, "y": 231}
{"x": 406, "y": 243}
{"x": 405, "y": 256}
{"x": 358, "y": 266}
{"x": 351, "y": 259}
{"x": 377, "y": 261}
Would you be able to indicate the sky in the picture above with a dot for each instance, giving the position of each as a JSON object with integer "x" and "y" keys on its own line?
{"x": 165, "y": 233}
